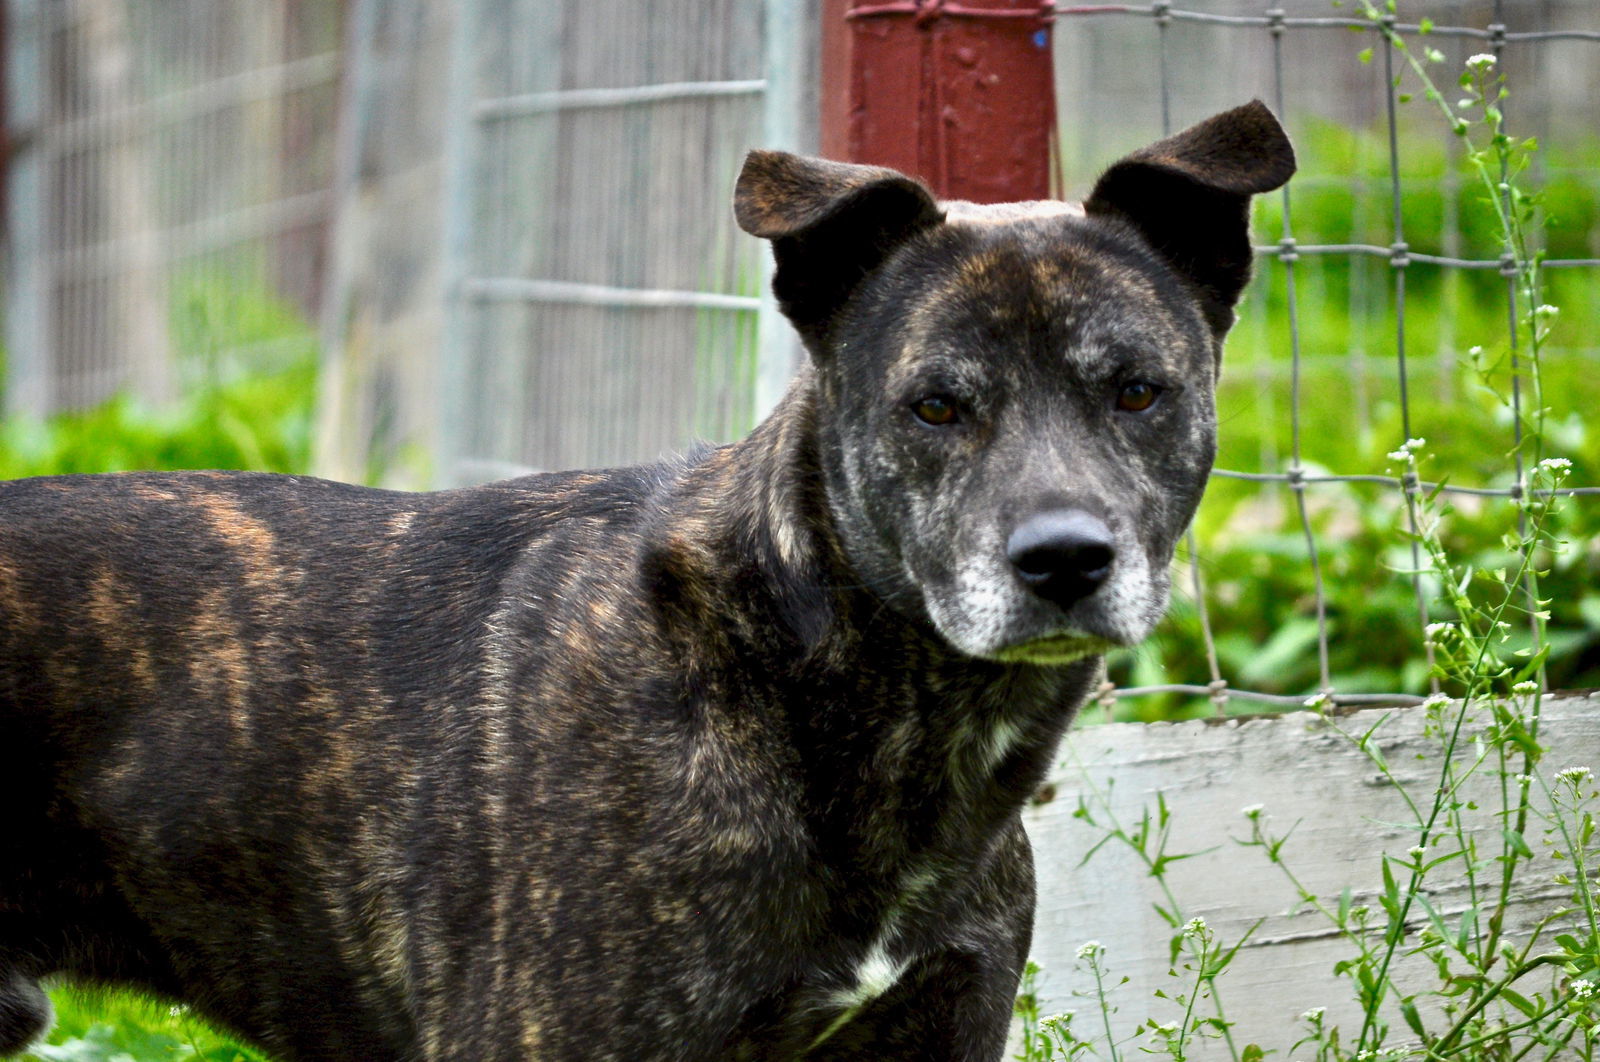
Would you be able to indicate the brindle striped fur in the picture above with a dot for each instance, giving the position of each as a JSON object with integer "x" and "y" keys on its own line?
{"x": 719, "y": 758}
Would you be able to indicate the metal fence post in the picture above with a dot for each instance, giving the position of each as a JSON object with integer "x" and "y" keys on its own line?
{"x": 962, "y": 95}
{"x": 786, "y": 47}
{"x": 333, "y": 454}
{"x": 460, "y": 193}
{"x": 28, "y": 385}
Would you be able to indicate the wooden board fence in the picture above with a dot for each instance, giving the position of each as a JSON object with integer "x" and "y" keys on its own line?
{"x": 1304, "y": 777}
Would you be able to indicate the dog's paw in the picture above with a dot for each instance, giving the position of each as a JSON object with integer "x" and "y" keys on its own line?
{"x": 25, "y": 1012}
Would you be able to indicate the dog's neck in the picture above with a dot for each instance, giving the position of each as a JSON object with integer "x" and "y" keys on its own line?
{"x": 915, "y": 750}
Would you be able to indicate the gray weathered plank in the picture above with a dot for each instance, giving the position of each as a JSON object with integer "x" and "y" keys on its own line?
{"x": 1306, "y": 777}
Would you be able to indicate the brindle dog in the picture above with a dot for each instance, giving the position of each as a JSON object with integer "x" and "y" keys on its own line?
{"x": 718, "y": 758}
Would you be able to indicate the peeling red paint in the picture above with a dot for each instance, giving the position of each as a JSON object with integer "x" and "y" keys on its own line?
{"x": 959, "y": 94}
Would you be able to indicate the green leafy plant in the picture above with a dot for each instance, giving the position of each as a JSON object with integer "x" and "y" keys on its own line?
{"x": 101, "y": 1026}
{"x": 247, "y": 362}
{"x": 1260, "y": 589}
{"x": 1494, "y": 993}
{"x": 1196, "y": 957}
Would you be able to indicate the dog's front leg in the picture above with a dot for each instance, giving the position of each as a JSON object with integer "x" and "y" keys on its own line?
{"x": 955, "y": 1003}
{"x": 955, "y": 1006}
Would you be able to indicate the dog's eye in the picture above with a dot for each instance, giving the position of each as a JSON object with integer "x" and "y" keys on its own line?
{"x": 1137, "y": 397}
{"x": 937, "y": 410}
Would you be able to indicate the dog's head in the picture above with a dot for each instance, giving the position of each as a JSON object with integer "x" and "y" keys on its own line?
{"x": 1016, "y": 401}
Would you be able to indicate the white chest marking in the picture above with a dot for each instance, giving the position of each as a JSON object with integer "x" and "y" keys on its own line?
{"x": 875, "y": 974}
{"x": 877, "y": 971}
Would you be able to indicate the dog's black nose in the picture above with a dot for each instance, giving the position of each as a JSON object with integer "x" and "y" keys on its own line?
{"x": 1061, "y": 554}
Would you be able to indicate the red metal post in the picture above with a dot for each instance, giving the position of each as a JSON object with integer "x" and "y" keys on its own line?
{"x": 959, "y": 94}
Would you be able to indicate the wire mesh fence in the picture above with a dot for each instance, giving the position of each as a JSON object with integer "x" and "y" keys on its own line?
{"x": 1415, "y": 244}
{"x": 166, "y": 157}
{"x": 570, "y": 287}
{"x": 595, "y": 145}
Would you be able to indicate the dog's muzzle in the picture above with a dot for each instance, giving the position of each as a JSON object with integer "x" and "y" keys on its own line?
{"x": 1062, "y": 555}
{"x": 1055, "y": 592}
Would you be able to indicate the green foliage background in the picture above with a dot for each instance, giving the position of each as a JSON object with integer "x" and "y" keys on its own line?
{"x": 1260, "y": 593}
{"x": 247, "y": 362}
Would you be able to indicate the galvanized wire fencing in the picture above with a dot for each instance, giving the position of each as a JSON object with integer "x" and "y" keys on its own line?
{"x": 1286, "y": 258}
{"x": 592, "y": 148}
{"x": 582, "y": 222}
{"x": 509, "y": 217}
{"x": 164, "y": 158}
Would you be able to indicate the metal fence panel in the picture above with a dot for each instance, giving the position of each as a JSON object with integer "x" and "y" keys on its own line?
{"x": 1291, "y": 55}
{"x": 603, "y": 304}
{"x": 168, "y": 150}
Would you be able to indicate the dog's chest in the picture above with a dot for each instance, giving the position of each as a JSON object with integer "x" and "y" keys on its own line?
{"x": 871, "y": 965}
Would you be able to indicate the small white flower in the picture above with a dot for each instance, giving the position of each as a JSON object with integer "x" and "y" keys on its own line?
{"x": 1546, "y": 310}
{"x": 1525, "y": 688}
{"x": 1555, "y": 464}
{"x": 1524, "y": 779}
{"x": 1318, "y": 701}
{"x": 1481, "y": 61}
{"x": 1252, "y": 811}
{"x": 1314, "y": 1014}
{"x": 1434, "y": 630}
{"x": 1089, "y": 949}
{"x": 1417, "y": 851}
{"x": 1575, "y": 775}
{"x": 1407, "y": 451}
{"x": 1434, "y": 701}
{"x": 1583, "y": 990}
{"x": 1194, "y": 927}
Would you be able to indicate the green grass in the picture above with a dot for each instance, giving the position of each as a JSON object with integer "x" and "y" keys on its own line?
{"x": 106, "y": 1026}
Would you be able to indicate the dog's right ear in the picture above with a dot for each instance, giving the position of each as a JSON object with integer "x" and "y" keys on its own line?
{"x": 830, "y": 223}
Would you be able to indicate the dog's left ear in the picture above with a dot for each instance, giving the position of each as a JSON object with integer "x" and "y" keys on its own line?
{"x": 830, "y": 223}
{"x": 1189, "y": 196}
